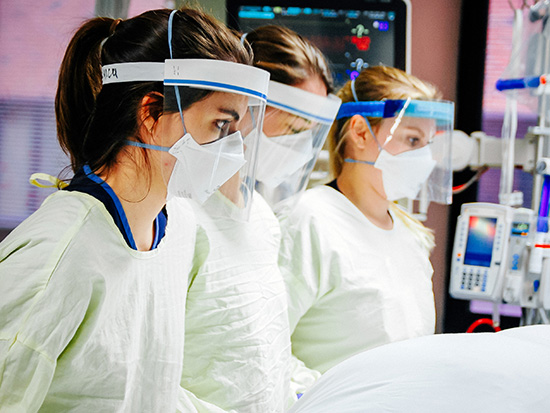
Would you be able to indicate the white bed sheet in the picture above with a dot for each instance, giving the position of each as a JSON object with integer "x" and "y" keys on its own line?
{"x": 500, "y": 372}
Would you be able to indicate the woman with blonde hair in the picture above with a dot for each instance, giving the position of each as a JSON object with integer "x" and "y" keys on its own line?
{"x": 356, "y": 265}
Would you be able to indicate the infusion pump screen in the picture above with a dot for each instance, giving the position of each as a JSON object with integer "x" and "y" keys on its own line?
{"x": 479, "y": 245}
{"x": 350, "y": 39}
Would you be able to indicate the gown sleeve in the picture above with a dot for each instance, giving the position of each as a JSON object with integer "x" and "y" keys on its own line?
{"x": 302, "y": 265}
{"x": 40, "y": 313}
{"x": 187, "y": 402}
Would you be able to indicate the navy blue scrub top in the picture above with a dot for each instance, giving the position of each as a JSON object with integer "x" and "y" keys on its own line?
{"x": 89, "y": 183}
{"x": 333, "y": 185}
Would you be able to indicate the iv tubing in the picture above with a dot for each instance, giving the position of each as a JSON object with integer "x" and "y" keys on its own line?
{"x": 542, "y": 222}
{"x": 481, "y": 321}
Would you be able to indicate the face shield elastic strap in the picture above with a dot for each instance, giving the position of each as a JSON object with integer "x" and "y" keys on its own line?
{"x": 178, "y": 98}
{"x": 353, "y": 91}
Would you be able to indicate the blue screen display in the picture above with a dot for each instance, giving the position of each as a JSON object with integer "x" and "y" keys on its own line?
{"x": 479, "y": 245}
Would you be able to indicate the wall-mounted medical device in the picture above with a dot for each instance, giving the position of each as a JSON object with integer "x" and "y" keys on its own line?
{"x": 490, "y": 251}
{"x": 501, "y": 252}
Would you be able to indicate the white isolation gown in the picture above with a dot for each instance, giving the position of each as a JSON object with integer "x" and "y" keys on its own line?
{"x": 351, "y": 285}
{"x": 505, "y": 372}
{"x": 237, "y": 340}
{"x": 87, "y": 323}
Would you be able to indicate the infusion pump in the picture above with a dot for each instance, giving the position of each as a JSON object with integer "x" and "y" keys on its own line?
{"x": 490, "y": 248}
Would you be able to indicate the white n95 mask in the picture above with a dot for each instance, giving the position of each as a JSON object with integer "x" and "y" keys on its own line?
{"x": 200, "y": 170}
{"x": 404, "y": 174}
{"x": 279, "y": 157}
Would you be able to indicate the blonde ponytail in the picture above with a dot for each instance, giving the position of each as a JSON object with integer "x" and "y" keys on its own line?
{"x": 424, "y": 235}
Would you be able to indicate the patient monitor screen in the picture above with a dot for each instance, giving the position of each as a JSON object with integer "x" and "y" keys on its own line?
{"x": 353, "y": 35}
{"x": 479, "y": 245}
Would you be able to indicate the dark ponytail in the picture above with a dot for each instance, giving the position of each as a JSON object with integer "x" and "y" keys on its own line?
{"x": 78, "y": 86}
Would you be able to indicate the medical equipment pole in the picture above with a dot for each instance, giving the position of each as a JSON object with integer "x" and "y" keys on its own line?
{"x": 510, "y": 123}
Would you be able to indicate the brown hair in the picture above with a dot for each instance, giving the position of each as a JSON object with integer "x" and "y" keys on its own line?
{"x": 287, "y": 56}
{"x": 373, "y": 84}
{"x": 93, "y": 121}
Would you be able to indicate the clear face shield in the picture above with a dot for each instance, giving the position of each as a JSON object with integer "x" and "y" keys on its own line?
{"x": 209, "y": 106}
{"x": 414, "y": 141}
{"x": 212, "y": 106}
{"x": 295, "y": 128}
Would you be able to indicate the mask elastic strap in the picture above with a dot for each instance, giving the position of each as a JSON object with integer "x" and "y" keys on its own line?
{"x": 147, "y": 146}
{"x": 349, "y": 160}
{"x": 243, "y": 37}
{"x": 178, "y": 98}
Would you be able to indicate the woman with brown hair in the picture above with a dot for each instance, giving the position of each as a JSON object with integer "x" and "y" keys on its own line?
{"x": 356, "y": 265}
{"x": 237, "y": 342}
{"x": 93, "y": 284}
{"x": 299, "y": 113}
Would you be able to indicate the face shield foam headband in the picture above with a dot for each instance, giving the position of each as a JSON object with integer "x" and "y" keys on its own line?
{"x": 405, "y": 166}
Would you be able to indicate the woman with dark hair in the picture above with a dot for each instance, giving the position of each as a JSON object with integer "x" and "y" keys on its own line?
{"x": 93, "y": 284}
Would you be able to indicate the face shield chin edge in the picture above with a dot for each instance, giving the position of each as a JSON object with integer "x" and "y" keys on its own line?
{"x": 295, "y": 128}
